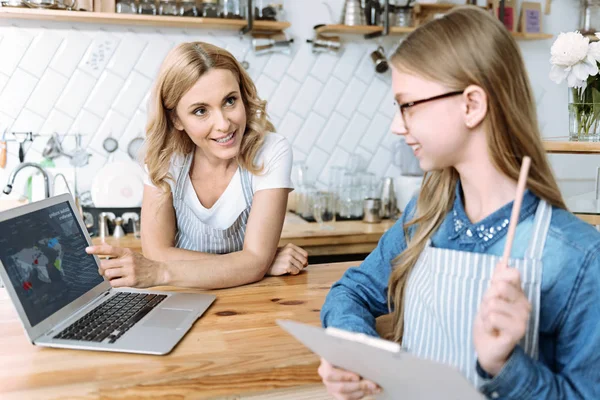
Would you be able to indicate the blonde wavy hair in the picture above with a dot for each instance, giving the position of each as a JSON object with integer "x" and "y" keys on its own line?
{"x": 468, "y": 46}
{"x": 180, "y": 70}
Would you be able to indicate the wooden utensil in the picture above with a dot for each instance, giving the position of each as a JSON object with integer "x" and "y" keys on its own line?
{"x": 514, "y": 215}
{"x": 3, "y": 150}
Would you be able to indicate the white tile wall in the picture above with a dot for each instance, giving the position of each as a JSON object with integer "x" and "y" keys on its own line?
{"x": 96, "y": 80}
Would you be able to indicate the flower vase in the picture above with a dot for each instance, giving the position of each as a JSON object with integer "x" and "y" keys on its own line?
{"x": 584, "y": 113}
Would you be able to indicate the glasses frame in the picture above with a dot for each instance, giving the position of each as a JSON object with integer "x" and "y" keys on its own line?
{"x": 405, "y": 106}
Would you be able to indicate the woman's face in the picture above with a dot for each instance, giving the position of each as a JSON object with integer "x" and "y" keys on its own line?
{"x": 213, "y": 115}
{"x": 434, "y": 129}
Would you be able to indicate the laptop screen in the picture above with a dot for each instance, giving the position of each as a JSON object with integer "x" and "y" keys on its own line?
{"x": 44, "y": 255}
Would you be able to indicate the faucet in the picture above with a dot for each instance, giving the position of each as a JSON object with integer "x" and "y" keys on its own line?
{"x": 11, "y": 179}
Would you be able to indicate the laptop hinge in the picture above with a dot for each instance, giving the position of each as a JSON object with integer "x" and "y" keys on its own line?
{"x": 88, "y": 304}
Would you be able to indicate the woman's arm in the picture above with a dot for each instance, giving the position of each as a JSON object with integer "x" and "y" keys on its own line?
{"x": 198, "y": 270}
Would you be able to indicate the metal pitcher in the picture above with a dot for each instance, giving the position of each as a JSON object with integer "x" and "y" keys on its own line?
{"x": 389, "y": 204}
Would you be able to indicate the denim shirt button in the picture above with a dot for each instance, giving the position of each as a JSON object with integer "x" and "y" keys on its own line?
{"x": 495, "y": 395}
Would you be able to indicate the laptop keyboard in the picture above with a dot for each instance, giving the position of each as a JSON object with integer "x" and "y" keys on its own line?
{"x": 112, "y": 319}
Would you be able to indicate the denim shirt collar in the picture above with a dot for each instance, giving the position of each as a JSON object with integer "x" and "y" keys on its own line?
{"x": 492, "y": 228}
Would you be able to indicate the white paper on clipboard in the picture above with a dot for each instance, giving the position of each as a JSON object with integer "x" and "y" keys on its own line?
{"x": 400, "y": 375}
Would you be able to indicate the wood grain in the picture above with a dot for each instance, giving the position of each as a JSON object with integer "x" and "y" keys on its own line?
{"x": 568, "y": 147}
{"x": 234, "y": 350}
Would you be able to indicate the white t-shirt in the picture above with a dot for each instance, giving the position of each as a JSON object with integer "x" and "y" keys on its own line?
{"x": 275, "y": 154}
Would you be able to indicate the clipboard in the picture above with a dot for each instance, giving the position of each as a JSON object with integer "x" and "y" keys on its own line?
{"x": 400, "y": 374}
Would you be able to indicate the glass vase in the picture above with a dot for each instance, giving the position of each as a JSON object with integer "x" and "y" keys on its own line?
{"x": 584, "y": 113}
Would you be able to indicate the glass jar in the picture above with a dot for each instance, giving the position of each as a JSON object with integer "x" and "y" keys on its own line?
{"x": 210, "y": 9}
{"x": 167, "y": 7}
{"x": 590, "y": 17}
{"x": 187, "y": 8}
{"x": 231, "y": 9}
{"x": 126, "y": 7}
{"x": 147, "y": 7}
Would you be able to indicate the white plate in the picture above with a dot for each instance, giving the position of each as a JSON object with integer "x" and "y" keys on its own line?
{"x": 118, "y": 184}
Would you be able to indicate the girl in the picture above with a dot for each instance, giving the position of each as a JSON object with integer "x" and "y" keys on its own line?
{"x": 528, "y": 331}
{"x": 217, "y": 186}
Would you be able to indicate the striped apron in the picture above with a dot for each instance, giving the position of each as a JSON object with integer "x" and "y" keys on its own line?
{"x": 444, "y": 291}
{"x": 195, "y": 235}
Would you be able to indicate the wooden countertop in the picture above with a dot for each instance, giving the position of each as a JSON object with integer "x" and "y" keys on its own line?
{"x": 235, "y": 350}
{"x": 346, "y": 237}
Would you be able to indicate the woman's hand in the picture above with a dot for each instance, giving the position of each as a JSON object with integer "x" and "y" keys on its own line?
{"x": 289, "y": 259}
{"x": 345, "y": 385}
{"x": 502, "y": 319}
{"x": 125, "y": 268}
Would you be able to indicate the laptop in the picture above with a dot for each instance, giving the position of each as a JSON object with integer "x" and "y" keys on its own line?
{"x": 62, "y": 300}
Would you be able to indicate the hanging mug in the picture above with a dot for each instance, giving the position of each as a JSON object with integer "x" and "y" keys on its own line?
{"x": 378, "y": 58}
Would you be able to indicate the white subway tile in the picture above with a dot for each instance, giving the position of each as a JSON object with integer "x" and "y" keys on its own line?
{"x": 329, "y": 97}
{"x": 131, "y": 94}
{"x": 126, "y": 55}
{"x": 364, "y": 154}
{"x": 28, "y": 121}
{"x": 316, "y": 161}
{"x": 85, "y": 175}
{"x": 306, "y": 97}
{"x": 70, "y": 53}
{"x": 13, "y": 46}
{"x": 113, "y": 125}
{"x": 104, "y": 93}
{"x": 152, "y": 57}
{"x": 17, "y": 91}
{"x": 324, "y": 66}
{"x": 354, "y": 132}
{"x": 299, "y": 156}
{"x": 277, "y": 66}
{"x": 349, "y": 61}
{"x": 380, "y": 126}
{"x": 98, "y": 54}
{"x": 265, "y": 86}
{"x": 6, "y": 122}
{"x": 393, "y": 171}
{"x": 290, "y": 126}
{"x": 380, "y": 162}
{"x": 57, "y": 122}
{"x": 279, "y": 103}
{"x": 351, "y": 97}
{"x": 256, "y": 64}
{"x": 135, "y": 128}
{"x": 309, "y": 132}
{"x": 86, "y": 124}
{"x": 3, "y": 81}
{"x": 40, "y": 52}
{"x": 75, "y": 94}
{"x": 373, "y": 97}
{"x": 366, "y": 69}
{"x": 388, "y": 106}
{"x": 145, "y": 101}
{"x": 302, "y": 63}
{"x": 329, "y": 139}
{"x": 47, "y": 92}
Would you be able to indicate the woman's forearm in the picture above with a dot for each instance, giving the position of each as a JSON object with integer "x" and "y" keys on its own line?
{"x": 214, "y": 271}
{"x": 176, "y": 254}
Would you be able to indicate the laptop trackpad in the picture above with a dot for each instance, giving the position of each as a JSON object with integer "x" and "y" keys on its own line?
{"x": 167, "y": 318}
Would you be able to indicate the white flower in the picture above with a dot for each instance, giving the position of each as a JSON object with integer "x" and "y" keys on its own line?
{"x": 573, "y": 59}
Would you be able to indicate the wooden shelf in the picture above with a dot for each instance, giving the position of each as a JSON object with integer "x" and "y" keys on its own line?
{"x": 137, "y": 19}
{"x": 567, "y": 147}
{"x": 398, "y": 30}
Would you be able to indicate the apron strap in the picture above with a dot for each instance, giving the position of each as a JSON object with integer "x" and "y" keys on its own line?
{"x": 246, "y": 186}
{"x": 183, "y": 173}
{"x": 541, "y": 224}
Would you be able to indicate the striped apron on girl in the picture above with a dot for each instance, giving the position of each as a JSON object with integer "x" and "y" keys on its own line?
{"x": 444, "y": 291}
{"x": 193, "y": 234}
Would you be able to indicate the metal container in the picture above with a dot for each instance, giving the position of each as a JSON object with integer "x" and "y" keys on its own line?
{"x": 389, "y": 204}
{"x": 372, "y": 211}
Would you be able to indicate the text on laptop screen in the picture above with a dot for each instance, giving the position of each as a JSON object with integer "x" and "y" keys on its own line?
{"x": 44, "y": 255}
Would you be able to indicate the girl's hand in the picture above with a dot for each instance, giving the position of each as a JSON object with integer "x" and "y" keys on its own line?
{"x": 126, "y": 268}
{"x": 502, "y": 319}
{"x": 345, "y": 385}
{"x": 289, "y": 259}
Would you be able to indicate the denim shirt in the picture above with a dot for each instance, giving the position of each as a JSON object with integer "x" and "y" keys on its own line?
{"x": 569, "y": 358}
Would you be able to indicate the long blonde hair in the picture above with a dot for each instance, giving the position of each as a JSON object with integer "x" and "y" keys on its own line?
{"x": 181, "y": 69}
{"x": 468, "y": 46}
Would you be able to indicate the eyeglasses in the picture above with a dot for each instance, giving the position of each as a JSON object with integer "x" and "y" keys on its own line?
{"x": 405, "y": 106}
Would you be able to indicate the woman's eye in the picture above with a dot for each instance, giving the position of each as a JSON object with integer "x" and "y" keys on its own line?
{"x": 230, "y": 101}
{"x": 200, "y": 112}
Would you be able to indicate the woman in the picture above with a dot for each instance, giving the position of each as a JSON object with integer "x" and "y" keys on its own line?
{"x": 218, "y": 182}
{"x": 527, "y": 331}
